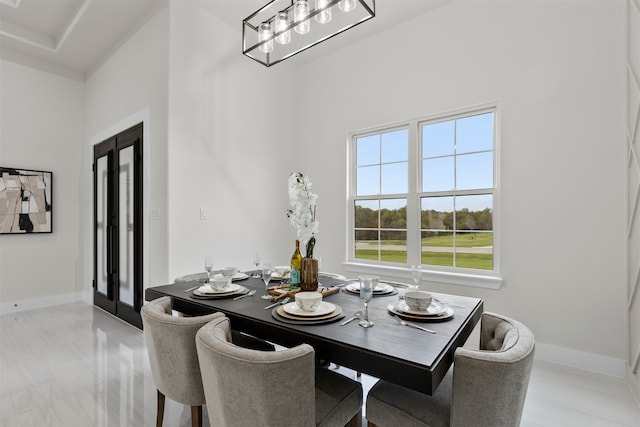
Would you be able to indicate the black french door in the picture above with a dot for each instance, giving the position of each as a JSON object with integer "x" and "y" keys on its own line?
{"x": 117, "y": 207}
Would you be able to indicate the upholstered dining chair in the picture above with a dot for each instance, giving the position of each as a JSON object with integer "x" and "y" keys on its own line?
{"x": 245, "y": 387}
{"x": 173, "y": 356}
{"x": 484, "y": 388}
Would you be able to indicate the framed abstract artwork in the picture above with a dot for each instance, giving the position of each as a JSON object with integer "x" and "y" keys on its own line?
{"x": 25, "y": 201}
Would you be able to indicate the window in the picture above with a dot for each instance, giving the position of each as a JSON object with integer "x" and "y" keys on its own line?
{"x": 423, "y": 192}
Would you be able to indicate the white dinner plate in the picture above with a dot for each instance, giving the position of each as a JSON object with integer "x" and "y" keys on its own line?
{"x": 208, "y": 290}
{"x": 381, "y": 288}
{"x": 434, "y": 309}
{"x": 323, "y": 309}
{"x": 240, "y": 276}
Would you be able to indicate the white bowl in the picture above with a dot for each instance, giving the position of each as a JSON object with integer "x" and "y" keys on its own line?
{"x": 229, "y": 271}
{"x": 308, "y": 301}
{"x": 220, "y": 283}
{"x": 418, "y": 300}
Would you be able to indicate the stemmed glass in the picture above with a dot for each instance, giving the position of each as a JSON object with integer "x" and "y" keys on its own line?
{"x": 416, "y": 276}
{"x": 367, "y": 285}
{"x": 208, "y": 265}
{"x": 267, "y": 271}
{"x": 256, "y": 262}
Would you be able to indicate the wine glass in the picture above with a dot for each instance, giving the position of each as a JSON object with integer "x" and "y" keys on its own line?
{"x": 267, "y": 271}
{"x": 208, "y": 265}
{"x": 256, "y": 262}
{"x": 367, "y": 285}
{"x": 416, "y": 276}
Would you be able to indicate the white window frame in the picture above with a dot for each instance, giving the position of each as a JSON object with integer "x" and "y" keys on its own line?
{"x": 449, "y": 275}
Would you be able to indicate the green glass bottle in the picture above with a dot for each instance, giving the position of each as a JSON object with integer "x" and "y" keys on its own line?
{"x": 296, "y": 261}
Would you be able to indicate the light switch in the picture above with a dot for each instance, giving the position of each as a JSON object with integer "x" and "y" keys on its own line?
{"x": 203, "y": 214}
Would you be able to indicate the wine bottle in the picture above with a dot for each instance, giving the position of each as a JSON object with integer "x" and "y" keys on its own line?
{"x": 296, "y": 261}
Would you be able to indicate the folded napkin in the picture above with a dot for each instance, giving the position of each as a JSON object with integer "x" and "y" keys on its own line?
{"x": 282, "y": 291}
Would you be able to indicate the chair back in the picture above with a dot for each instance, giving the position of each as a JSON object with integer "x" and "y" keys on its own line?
{"x": 490, "y": 384}
{"x": 245, "y": 387}
{"x": 172, "y": 351}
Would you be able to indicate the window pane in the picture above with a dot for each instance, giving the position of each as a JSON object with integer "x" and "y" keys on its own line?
{"x": 366, "y": 242}
{"x": 437, "y": 174}
{"x": 474, "y": 212}
{"x": 474, "y": 171}
{"x": 474, "y": 250}
{"x": 368, "y": 180}
{"x": 395, "y": 146}
{"x": 393, "y": 213}
{"x": 437, "y": 213}
{"x": 366, "y": 214}
{"x": 395, "y": 178}
{"x": 438, "y": 139}
{"x": 437, "y": 248}
{"x": 393, "y": 246}
{"x": 474, "y": 133}
{"x": 368, "y": 150}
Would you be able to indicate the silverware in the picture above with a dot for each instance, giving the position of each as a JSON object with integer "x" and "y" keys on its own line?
{"x": 192, "y": 288}
{"x": 284, "y": 301}
{"x": 245, "y": 295}
{"x": 355, "y": 316}
{"x": 411, "y": 325}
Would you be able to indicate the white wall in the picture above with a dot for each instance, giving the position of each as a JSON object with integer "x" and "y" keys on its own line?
{"x": 230, "y": 148}
{"x": 557, "y": 69}
{"x": 633, "y": 194}
{"x": 41, "y": 127}
{"x": 132, "y": 86}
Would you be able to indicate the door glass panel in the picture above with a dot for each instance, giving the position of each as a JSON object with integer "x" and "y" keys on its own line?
{"x": 126, "y": 224}
{"x": 102, "y": 192}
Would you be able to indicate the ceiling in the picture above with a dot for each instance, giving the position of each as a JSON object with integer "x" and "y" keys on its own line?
{"x": 76, "y": 36}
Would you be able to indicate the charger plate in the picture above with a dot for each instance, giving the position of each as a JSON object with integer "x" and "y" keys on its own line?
{"x": 279, "y": 314}
{"x": 240, "y": 291}
{"x": 230, "y": 289}
{"x": 447, "y": 315}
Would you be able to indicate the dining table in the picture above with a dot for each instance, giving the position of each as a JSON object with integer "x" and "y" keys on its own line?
{"x": 408, "y": 356}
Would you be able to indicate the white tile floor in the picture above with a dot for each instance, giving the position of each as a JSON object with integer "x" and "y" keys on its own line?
{"x": 74, "y": 365}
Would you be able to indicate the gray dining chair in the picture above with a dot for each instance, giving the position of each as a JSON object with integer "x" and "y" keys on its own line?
{"x": 485, "y": 387}
{"x": 245, "y": 387}
{"x": 173, "y": 356}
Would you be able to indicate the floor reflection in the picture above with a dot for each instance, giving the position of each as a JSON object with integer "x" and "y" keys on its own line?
{"x": 75, "y": 365}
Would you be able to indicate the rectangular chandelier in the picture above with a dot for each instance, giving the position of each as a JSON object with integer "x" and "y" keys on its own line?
{"x": 283, "y": 28}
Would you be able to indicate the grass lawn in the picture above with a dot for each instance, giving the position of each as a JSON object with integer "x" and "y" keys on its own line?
{"x": 479, "y": 261}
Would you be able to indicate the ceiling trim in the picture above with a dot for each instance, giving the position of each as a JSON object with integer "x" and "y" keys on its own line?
{"x": 39, "y": 40}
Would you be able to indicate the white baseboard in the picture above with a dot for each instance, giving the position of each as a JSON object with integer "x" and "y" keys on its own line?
{"x": 582, "y": 360}
{"x": 47, "y": 301}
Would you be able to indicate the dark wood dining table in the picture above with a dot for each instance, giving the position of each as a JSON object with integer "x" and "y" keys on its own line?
{"x": 388, "y": 350}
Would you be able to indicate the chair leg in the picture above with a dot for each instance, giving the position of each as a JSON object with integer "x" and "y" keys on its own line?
{"x": 196, "y": 416}
{"x": 356, "y": 421}
{"x": 160, "y": 412}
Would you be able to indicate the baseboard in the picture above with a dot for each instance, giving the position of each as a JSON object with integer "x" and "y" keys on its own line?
{"x": 47, "y": 301}
{"x": 581, "y": 360}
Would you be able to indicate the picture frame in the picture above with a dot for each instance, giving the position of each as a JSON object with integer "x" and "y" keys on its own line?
{"x": 26, "y": 203}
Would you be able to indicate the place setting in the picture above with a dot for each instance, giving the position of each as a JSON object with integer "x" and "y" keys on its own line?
{"x": 420, "y": 306}
{"x": 308, "y": 308}
{"x": 218, "y": 287}
{"x": 381, "y": 289}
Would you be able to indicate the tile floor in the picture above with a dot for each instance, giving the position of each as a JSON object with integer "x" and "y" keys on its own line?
{"x": 75, "y": 365}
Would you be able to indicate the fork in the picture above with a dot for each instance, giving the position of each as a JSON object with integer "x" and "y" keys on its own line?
{"x": 411, "y": 325}
{"x": 284, "y": 301}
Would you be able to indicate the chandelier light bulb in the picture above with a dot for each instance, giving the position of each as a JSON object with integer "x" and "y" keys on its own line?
{"x": 282, "y": 22}
{"x": 265, "y": 32}
{"x": 347, "y": 5}
{"x": 301, "y": 14}
{"x": 324, "y": 16}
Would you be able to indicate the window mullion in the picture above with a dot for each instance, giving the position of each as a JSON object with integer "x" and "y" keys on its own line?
{"x": 414, "y": 245}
